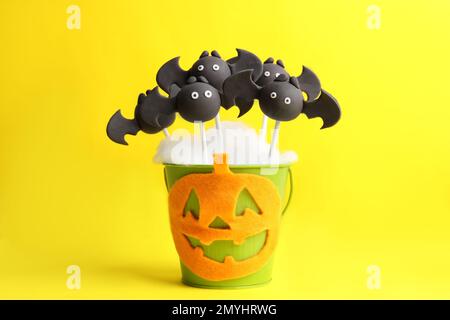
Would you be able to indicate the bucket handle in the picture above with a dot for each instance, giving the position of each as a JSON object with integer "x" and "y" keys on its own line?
{"x": 288, "y": 202}
{"x": 291, "y": 190}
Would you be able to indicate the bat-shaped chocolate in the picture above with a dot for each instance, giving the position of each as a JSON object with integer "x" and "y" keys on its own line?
{"x": 246, "y": 60}
{"x": 325, "y": 107}
{"x": 281, "y": 99}
{"x": 240, "y": 90}
{"x": 212, "y": 67}
{"x": 309, "y": 83}
{"x": 118, "y": 126}
{"x": 171, "y": 73}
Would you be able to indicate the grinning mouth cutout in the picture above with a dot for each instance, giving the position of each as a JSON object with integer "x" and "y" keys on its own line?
{"x": 219, "y": 249}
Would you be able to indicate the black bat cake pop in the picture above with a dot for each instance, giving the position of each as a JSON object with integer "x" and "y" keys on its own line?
{"x": 282, "y": 99}
{"x": 197, "y": 100}
{"x": 149, "y": 117}
{"x": 309, "y": 82}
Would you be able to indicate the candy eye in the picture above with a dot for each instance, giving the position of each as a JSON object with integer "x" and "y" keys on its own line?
{"x": 194, "y": 95}
{"x": 200, "y": 67}
{"x": 273, "y": 95}
{"x": 208, "y": 94}
{"x": 266, "y": 73}
{"x": 215, "y": 67}
{"x": 277, "y": 74}
{"x": 287, "y": 100}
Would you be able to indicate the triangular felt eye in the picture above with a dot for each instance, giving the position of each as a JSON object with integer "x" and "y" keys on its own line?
{"x": 245, "y": 201}
{"x": 192, "y": 205}
{"x": 218, "y": 223}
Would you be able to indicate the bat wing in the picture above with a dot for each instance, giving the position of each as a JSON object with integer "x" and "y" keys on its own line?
{"x": 240, "y": 90}
{"x": 246, "y": 60}
{"x": 309, "y": 83}
{"x": 325, "y": 107}
{"x": 171, "y": 73}
{"x": 155, "y": 112}
{"x": 118, "y": 127}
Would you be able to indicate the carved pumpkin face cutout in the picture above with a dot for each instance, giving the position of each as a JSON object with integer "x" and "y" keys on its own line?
{"x": 226, "y": 238}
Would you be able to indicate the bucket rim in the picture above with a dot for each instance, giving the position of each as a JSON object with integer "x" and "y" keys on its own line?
{"x": 231, "y": 166}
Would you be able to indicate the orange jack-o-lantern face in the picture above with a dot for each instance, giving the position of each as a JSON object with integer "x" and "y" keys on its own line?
{"x": 218, "y": 195}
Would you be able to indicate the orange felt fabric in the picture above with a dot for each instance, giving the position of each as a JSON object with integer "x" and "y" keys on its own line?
{"x": 218, "y": 193}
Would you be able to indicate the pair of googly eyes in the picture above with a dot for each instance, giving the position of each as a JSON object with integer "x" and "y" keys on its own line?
{"x": 287, "y": 100}
{"x": 267, "y": 74}
{"x": 201, "y": 67}
{"x": 195, "y": 94}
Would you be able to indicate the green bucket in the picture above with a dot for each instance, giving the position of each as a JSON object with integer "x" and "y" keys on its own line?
{"x": 279, "y": 175}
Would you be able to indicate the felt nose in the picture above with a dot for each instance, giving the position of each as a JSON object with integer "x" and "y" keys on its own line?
{"x": 218, "y": 223}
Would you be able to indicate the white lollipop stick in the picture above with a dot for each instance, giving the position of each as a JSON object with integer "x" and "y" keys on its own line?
{"x": 219, "y": 134}
{"x": 166, "y": 133}
{"x": 204, "y": 146}
{"x": 264, "y": 129}
{"x": 275, "y": 136}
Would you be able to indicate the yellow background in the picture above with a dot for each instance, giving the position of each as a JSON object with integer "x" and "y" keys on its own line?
{"x": 374, "y": 190}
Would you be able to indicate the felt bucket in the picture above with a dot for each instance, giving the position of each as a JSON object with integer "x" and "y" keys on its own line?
{"x": 252, "y": 260}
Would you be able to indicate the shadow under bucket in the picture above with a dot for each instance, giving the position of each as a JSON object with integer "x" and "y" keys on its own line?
{"x": 232, "y": 244}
